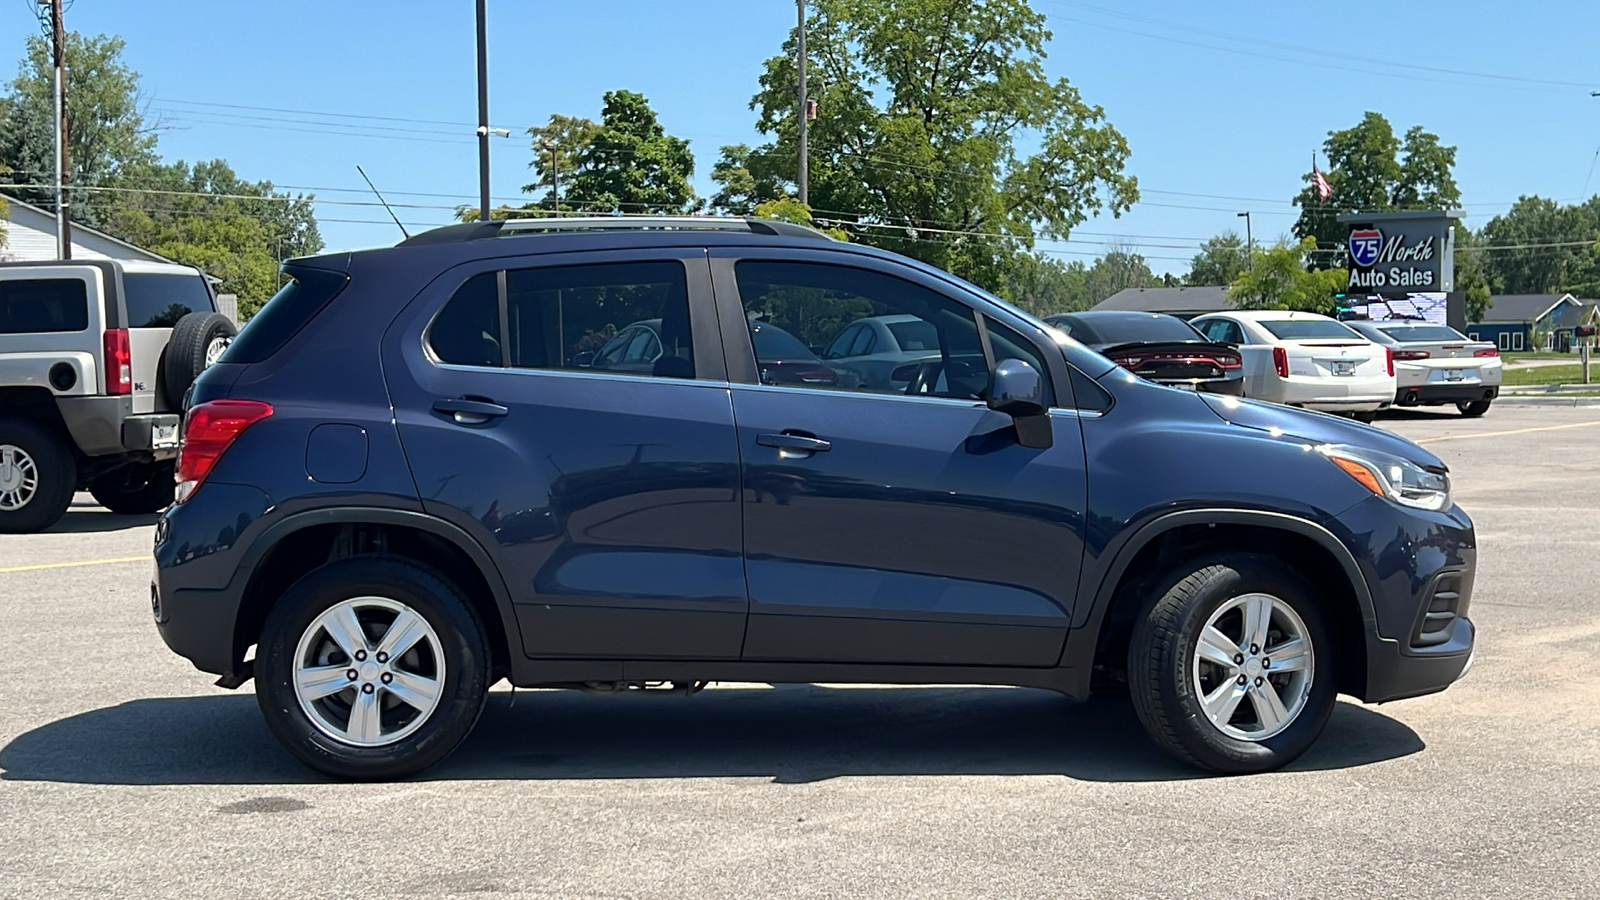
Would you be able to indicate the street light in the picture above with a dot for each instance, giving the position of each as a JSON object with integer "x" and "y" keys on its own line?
{"x": 1249, "y": 242}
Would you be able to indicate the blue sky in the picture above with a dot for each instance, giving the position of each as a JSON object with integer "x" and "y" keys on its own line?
{"x": 1222, "y": 102}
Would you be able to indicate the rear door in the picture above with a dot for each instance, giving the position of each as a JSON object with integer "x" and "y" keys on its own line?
{"x": 155, "y": 301}
{"x": 609, "y": 499}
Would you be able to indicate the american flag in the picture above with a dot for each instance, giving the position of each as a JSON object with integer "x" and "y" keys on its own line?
{"x": 1319, "y": 181}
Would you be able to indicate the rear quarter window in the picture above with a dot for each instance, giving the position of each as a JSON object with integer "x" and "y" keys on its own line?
{"x": 39, "y": 305}
{"x": 159, "y": 300}
{"x": 295, "y": 304}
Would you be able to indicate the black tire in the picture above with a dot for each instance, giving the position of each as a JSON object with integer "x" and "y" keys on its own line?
{"x": 135, "y": 489}
{"x": 1367, "y": 417}
{"x": 186, "y": 349}
{"x": 1474, "y": 408}
{"x": 440, "y": 603}
{"x": 43, "y": 499}
{"x": 1161, "y": 658}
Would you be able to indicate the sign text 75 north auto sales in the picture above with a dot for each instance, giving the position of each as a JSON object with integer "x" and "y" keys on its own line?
{"x": 1388, "y": 261}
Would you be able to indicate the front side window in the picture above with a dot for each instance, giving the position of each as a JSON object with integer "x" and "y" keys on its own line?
{"x": 630, "y": 318}
{"x": 795, "y": 305}
{"x": 43, "y": 304}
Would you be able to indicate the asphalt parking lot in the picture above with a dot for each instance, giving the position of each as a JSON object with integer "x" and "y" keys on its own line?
{"x": 123, "y": 772}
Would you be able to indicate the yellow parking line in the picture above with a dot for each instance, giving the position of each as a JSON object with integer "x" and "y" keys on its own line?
{"x": 1462, "y": 437}
{"x": 69, "y": 565}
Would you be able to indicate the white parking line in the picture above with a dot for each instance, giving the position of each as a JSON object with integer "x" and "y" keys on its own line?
{"x": 1462, "y": 437}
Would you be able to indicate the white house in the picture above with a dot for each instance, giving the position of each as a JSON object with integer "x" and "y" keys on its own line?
{"x": 31, "y": 236}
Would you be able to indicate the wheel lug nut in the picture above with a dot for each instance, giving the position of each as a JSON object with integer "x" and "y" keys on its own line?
{"x": 367, "y": 688}
{"x": 1243, "y": 679}
{"x": 1266, "y": 662}
{"x": 388, "y": 677}
{"x": 361, "y": 656}
{"x": 382, "y": 657}
{"x": 1254, "y": 649}
{"x": 1259, "y": 680}
{"x": 1238, "y": 659}
{"x": 352, "y": 674}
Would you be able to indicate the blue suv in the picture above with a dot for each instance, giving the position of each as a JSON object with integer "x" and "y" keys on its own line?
{"x": 417, "y": 471}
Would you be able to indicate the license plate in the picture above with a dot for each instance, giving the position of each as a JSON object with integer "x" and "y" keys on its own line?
{"x": 164, "y": 437}
{"x": 1342, "y": 367}
{"x": 1454, "y": 374}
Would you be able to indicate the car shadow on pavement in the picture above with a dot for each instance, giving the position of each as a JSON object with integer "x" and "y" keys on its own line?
{"x": 788, "y": 733}
{"x": 82, "y": 519}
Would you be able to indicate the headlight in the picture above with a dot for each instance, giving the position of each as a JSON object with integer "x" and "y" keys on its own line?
{"x": 1390, "y": 476}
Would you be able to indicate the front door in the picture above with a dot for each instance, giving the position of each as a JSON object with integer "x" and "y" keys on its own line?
{"x": 899, "y": 522}
{"x": 608, "y": 497}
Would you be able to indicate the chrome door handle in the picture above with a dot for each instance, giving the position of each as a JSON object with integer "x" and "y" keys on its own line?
{"x": 470, "y": 412}
{"x": 790, "y": 442}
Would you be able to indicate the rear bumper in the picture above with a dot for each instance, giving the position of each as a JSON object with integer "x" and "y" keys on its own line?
{"x": 1445, "y": 393}
{"x": 107, "y": 426}
{"x": 1343, "y": 395}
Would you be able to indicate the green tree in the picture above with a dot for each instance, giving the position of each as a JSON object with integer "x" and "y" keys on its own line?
{"x": 939, "y": 134}
{"x": 1371, "y": 170}
{"x": 106, "y": 133}
{"x": 557, "y": 147}
{"x": 206, "y": 216}
{"x": 1278, "y": 279}
{"x": 1044, "y": 285}
{"x": 1540, "y": 246}
{"x": 1219, "y": 261}
{"x": 631, "y": 164}
{"x": 1471, "y": 279}
{"x": 1119, "y": 269}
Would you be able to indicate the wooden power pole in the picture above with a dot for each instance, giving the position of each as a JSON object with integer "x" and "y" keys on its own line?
{"x": 63, "y": 201}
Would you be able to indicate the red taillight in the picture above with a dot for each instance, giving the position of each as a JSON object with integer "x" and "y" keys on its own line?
{"x": 208, "y": 430}
{"x": 1280, "y": 361}
{"x": 1228, "y": 361}
{"x": 1388, "y": 356}
{"x": 119, "y": 362}
{"x": 1486, "y": 351}
{"x": 1409, "y": 354}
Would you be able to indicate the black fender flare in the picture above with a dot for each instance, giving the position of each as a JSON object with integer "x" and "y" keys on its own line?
{"x": 454, "y": 534}
{"x": 1083, "y": 639}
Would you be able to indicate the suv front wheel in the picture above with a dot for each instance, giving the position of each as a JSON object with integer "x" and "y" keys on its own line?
{"x": 372, "y": 668}
{"x": 1232, "y": 668}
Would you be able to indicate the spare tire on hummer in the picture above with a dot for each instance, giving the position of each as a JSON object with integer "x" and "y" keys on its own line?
{"x": 197, "y": 341}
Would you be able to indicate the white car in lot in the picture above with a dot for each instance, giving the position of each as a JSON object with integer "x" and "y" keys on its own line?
{"x": 1303, "y": 359}
{"x": 1435, "y": 364}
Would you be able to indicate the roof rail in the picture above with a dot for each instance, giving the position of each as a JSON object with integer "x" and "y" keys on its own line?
{"x": 473, "y": 231}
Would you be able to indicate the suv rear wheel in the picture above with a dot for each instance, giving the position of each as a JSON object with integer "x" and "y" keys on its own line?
{"x": 37, "y": 475}
{"x": 135, "y": 489}
{"x": 372, "y": 668}
{"x": 1231, "y": 669}
{"x": 1472, "y": 409}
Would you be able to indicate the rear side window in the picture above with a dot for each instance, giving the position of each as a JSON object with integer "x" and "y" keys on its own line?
{"x": 296, "y": 303}
{"x": 627, "y": 318}
{"x": 43, "y": 305}
{"x": 159, "y": 300}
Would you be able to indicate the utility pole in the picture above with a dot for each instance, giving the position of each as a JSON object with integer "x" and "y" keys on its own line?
{"x": 63, "y": 203}
{"x": 555, "y": 175}
{"x": 804, "y": 176}
{"x": 483, "y": 114}
{"x": 1249, "y": 243}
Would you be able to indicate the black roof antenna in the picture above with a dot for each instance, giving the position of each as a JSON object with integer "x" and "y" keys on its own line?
{"x": 384, "y": 202}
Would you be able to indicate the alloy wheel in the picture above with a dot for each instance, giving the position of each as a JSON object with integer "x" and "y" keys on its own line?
{"x": 1255, "y": 647}
{"x": 369, "y": 671}
{"x": 19, "y": 478}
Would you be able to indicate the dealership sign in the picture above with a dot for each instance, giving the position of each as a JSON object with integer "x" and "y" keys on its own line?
{"x": 1402, "y": 252}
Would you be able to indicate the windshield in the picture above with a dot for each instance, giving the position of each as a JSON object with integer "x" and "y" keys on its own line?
{"x": 773, "y": 342}
{"x": 1127, "y": 329}
{"x": 917, "y": 335}
{"x": 1308, "y": 329}
{"x": 1422, "y": 333}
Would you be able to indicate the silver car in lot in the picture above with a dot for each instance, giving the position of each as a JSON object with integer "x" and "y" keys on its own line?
{"x": 1435, "y": 365}
{"x": 882, "y": 352}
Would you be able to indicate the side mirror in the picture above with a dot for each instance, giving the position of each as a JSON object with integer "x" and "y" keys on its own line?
{"x": 1017, "y": 389}
{"x": 584, "y": 360}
